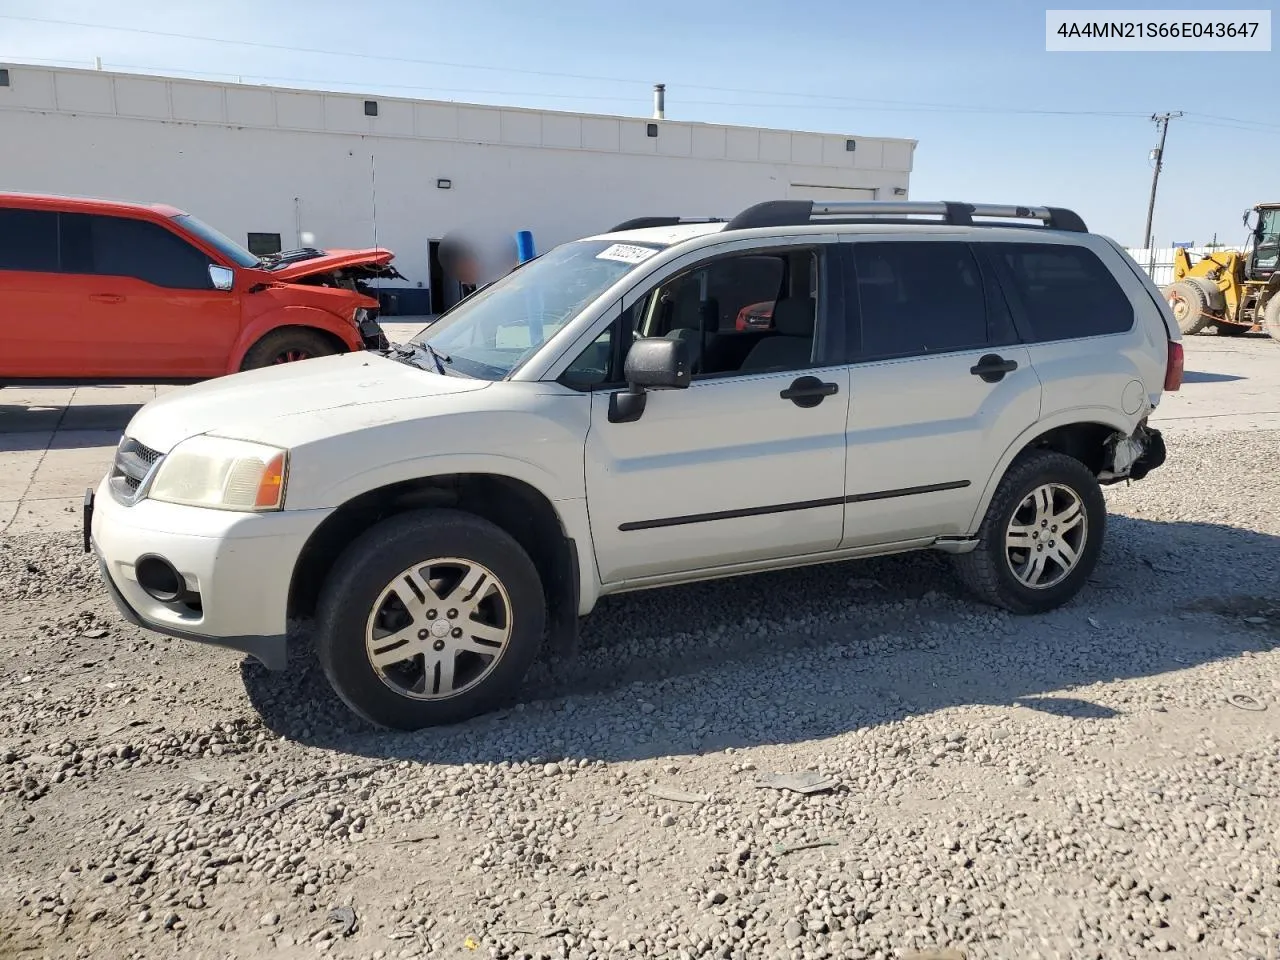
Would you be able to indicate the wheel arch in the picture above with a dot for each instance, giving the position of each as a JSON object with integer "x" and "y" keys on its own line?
{"x": 516, "y": 506}
{"x": 1078, "y": 433}
{"x": 342, "y": 333}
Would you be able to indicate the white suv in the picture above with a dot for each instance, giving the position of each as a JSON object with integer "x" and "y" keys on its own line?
{"x": 671, "y": 401}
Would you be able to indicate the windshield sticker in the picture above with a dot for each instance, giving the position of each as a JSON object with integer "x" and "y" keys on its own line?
{"x": 626, "y": 253}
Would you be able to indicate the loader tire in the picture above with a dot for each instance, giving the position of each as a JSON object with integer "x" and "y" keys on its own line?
{"x": 1190, "y": 306}
{"x": 1271, "y": 318}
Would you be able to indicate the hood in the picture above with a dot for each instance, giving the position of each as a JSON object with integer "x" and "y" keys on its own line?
{"x": 249, "y": 401}
{"x": 326, "y": 261}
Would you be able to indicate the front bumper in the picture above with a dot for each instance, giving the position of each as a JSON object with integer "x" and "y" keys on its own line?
{"x": 237, "y": 568}
{"x": 373, "y": 335}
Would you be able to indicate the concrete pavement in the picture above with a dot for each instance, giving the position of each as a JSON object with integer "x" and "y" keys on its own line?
{"x": 55, "y": 442}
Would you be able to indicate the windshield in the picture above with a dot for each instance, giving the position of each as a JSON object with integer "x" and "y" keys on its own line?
{"x": 497, "y": 328}
{"x": 224, "y": 244}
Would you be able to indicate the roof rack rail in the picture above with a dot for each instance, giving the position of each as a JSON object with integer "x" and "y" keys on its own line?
{"x": 792, "y": 213}
{"x": 640, "y": 223}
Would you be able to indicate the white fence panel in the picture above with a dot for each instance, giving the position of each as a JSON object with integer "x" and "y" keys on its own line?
{"x": 1158, "y": 262}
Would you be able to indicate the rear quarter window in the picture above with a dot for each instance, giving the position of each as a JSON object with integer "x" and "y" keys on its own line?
{"x": 1065, "y": 292}
{"x": 29, "y": 240}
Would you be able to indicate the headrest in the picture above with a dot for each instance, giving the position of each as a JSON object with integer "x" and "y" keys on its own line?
{"x": 793, "y": 316}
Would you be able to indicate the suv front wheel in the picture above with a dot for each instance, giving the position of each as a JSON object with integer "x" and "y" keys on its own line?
{"x": 430, "y": 617}
{"x": 1041, "y": 536}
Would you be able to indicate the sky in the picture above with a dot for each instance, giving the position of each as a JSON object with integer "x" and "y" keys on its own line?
{"x": 997, "y": 118}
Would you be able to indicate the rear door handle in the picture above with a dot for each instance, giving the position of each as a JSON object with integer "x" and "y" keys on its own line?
{"x": 106, "y": 298}
{"x": 993, "y": 367}
{"x": 808, "y": 391}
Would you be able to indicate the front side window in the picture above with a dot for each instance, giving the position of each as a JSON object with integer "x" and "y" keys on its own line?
{"x": 124, "y": 247}
{"x": 1066, "y": 292}
{"x": 499, "y": 327}
{"x": 919, "y": 298}
{"x": 29, "y": 240}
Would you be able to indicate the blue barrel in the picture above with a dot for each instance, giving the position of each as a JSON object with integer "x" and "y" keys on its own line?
{"x": 524, "y": 246}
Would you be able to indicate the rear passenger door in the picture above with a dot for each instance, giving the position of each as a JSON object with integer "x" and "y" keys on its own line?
{"x": 148, "y": 307}
{"x": 939, "y": 388}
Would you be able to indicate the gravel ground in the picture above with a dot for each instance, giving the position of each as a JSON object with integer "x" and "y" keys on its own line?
{"x": 1072, "y": 785}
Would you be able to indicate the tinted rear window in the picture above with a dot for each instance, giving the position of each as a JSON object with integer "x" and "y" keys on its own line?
{"x": 28, "y": 240}
{"x": 1066, "y": 292}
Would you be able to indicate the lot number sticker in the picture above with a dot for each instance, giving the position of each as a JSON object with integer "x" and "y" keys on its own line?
{"x": 626, "y": 253}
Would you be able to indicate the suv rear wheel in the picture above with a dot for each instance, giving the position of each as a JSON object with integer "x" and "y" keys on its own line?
{"x": 1041, "y": 536}
{"x": 430, "y": 617}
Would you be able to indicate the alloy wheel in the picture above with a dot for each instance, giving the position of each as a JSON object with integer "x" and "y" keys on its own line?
{"x": 1046, "y": 536}
{"x": 439, "y": 628}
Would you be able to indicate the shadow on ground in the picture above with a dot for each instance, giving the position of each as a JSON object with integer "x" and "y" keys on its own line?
{"x": 18, "y": 419}
{"x": 1197, "y": 376}
{"x": 822, "y": 681}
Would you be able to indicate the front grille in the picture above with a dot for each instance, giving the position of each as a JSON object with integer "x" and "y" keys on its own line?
{"x": 133, "y": 463}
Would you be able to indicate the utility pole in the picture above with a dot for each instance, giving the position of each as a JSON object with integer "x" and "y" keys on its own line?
{"x": 1162, "y": 120}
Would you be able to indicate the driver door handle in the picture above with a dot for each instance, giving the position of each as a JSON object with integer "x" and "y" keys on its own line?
{"x": 106, "y": 298}
{"x": 992, "y": 367}
{"x": 808, "y": 391}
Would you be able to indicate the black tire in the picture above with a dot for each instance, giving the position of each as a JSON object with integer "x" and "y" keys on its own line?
{"x": 379, "y": 556}
{"x": 1271, "y": 318}
{"x": 988, "y": 572}
{"x": 1190, "y": 305}
{"x": 286, "y": 346}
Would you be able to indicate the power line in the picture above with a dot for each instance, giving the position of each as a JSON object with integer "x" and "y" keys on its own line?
{"x": 383, "y": 58}
{"x": 853, "y": 104}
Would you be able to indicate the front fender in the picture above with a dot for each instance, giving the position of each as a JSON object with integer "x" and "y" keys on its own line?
{"x": 1065, "y": 418}
{"x": 569, "y": 504}
{"x": 294, "y": 316}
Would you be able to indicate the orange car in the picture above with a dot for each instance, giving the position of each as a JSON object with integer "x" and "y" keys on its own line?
{"x": 95, "y": 291}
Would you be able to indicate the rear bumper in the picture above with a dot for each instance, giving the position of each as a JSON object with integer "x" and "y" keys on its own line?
{"x": 1134, "y": 456}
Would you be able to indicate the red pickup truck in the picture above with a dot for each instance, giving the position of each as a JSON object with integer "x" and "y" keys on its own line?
{"x": 97, "y": 291}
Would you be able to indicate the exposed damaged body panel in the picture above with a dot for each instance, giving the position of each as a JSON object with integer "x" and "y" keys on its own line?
{"x": 1134, "y": 456}
{"x": 349, "y": 269}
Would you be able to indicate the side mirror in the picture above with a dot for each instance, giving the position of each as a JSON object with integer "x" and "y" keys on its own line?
{"x": 654, "y": 363}
{"x": 223, "y": 278}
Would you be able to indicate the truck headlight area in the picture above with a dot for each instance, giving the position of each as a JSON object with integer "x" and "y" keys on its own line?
{"x": 222, "y": 474}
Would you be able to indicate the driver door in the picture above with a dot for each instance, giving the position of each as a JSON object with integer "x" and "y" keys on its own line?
{"x": 735, "y": 468}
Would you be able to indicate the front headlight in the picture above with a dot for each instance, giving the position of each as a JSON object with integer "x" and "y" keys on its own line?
{"x": 222, "y": 474}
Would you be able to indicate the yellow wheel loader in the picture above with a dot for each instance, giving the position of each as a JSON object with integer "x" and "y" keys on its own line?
{"x": 1234, "y": 291}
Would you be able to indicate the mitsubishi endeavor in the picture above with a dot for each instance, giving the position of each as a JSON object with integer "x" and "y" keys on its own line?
{"x": 943, "y": 376}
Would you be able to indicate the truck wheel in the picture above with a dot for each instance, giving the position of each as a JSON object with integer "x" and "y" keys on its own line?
{"x": 1271, "y": 318}
{"x": 1041, "y": 536}
{"x": 1190, "y": 306}
{"x": 287, "y": 346}
{"x": 430, "y": 617}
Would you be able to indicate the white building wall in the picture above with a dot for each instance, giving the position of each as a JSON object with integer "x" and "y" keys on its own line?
{"x": 260, "y": 159}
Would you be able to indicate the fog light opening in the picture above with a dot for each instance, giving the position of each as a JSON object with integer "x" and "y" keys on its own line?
{"x": 159, "y": 579}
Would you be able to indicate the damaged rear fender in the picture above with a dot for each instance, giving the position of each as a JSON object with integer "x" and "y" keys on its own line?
{"x": 1098, "y": 416}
